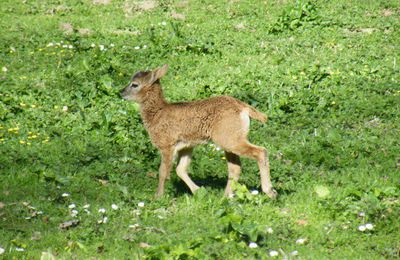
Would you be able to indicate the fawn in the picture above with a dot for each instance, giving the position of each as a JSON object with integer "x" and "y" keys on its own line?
{"x": 175, "y": 128}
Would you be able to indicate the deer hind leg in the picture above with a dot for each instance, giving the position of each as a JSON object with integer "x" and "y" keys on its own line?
{"x": 184, "y": 160}
{"x": 261, "y": 155}
{"x": 165, "y": 169}
{"x": 234, "y": 167}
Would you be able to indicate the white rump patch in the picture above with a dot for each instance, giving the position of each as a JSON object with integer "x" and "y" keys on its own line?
{"x": 244, "y": 115}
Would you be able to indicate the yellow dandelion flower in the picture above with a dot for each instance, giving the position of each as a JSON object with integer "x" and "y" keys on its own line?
{"x": 22, "y": 104}
{"x": 33, "y": 106}
{"x": 28, "y": 143}
{"x": 22, "y": 142}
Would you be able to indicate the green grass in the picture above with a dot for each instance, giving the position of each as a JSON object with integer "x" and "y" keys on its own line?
{"x": 326, "y": 73}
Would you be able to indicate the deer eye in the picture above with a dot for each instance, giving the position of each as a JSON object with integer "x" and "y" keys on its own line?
{"x": 134, "y": 85}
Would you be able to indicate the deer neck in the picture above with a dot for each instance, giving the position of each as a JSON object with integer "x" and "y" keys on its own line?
{"x": 151, "y": 103}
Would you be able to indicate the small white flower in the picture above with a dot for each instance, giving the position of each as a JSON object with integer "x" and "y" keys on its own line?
{"x": 361, "y": 214}
{"x": 217, "y": 148}
{"x": 101, "y": 47}
{"x": 2, "y": 250}
{"x": 137, "y": 47}
{"x": 65, "y": 46}
{"x": 50, "y": 44}
{"x": 4, "y": 69}
{"x": 93, "y": 45}
{"x": 273, "y": 253}
{"x": 141, "y": 204}
{"x": 369, "y": 226}
{"x": 270, "y": 230}
{"x": 362, "y": 228}
{"x": 301, "y": 241}
{"x": 295, "y": 252}
{"x": 254, "y": 192}
{"x": 134, "y": 226}
{"x": 231, "y": 196}
{"x": 102, "y": 210}
{"x": 74, "y": 213}
{"x": 144, "y": 46}
{"x": 65, "y": 108}
{"x": 72, "y": 206}
{"x": 105, "y": 219}
{"x": 20, "y": 249}
{"x": 112, "y": 45}
{"x": 65, "y": 194}
{"x": 114, "y": 207}
{"x": 86, "y": 206}
{"x": 253, "y": 245}
{"x": 70, "y": 46}
{"x": 163, "y": 23}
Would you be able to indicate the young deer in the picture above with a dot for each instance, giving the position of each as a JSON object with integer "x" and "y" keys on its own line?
{"x": 175, "y": 128}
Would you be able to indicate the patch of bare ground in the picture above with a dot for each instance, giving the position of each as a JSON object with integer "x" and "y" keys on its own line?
{"x": 101, "y": 2}
{"x": 130, "y": 7}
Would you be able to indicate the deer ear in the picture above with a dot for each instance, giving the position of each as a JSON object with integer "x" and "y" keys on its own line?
{"x": 158, "y": 73}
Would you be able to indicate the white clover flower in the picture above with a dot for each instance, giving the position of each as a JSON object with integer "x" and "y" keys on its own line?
{"x": 86, "y": 206}
{"x": 254, "y": 192}
{"x": 137, "y": 47}
{"x": 273, "y": 253}
{"x": 112, "y": 45}
{"x": 144, "y": 46}
{"x": 301, "y": 241}
{"x": 141, "y": 204}
{"x": 50, "y": 44}
{"x": 4, "y": 69}
{"x": 70, "y": 46}
{"x": 101, "y": 47}
{"x": 114, "y": 207}
{"x": 163, "y": 23}
{"x": 105, "y": 219}
{"x": 270, "y": 230}
{"x": 217, "y": 148}
{"x": 65, "y": 194}
{"x": 92, "y": 45}
{"x": 19, "y": 249}
{"x": 2, "y": 250}
{"x": 361, "y": 214}
{"x": 72, "y": 206}
{"x": 295, "y": 252}
{"x": 65, "y": 108}
{"x": 74, "y": 213}
{"x": 58, "y": 44}
{"x": 102, "y": 210}
{"x": 253, "y": 245}
{"x": 362, "y": 228}
{"x": 65, "y": 46}
{"x": 369, "y": 226}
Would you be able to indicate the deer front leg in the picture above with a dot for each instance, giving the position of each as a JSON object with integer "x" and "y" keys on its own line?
{"x": 165, "y": 168}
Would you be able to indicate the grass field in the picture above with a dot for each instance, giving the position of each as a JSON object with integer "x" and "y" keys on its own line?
{"x": 325, "y": 72}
